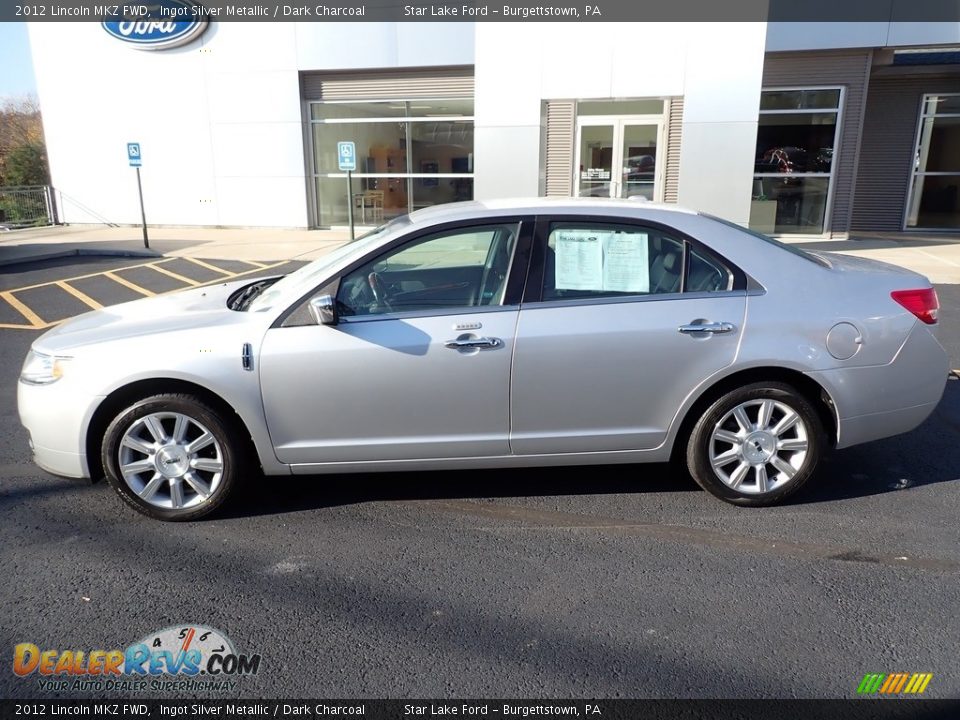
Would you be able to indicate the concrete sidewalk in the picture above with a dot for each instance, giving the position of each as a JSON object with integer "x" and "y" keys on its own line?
{"x": 263, "y": 245}
{"x": 936, "y": 256}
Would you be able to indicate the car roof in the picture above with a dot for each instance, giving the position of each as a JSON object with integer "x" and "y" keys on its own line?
{"x": 534, "y": 206}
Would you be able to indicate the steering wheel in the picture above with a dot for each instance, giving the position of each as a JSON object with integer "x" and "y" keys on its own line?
{"x": 379, "y": 290}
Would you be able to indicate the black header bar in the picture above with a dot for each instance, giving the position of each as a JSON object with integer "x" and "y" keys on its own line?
{"x": 718, "y": 11}
{"x": 234, "y": 709}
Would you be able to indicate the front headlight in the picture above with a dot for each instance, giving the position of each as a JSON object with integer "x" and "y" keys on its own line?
{"x": 40, "y": 369}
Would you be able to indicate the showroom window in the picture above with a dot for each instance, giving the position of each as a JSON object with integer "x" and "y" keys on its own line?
{"x": 793, "y": 169}
{"x": 936, "y": 167}
{"x": 410, "y": 155}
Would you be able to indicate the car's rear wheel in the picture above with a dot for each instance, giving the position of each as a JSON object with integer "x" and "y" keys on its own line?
{"x": 756, "y": 445}
{"x": 171, "y": 457}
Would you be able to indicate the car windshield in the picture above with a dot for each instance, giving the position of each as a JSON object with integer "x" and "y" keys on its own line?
{"x": 302, "y": 280}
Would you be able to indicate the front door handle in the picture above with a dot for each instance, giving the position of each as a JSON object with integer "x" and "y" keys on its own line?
{"x": 467, "y": 343}
{"x": 714, "y": 328}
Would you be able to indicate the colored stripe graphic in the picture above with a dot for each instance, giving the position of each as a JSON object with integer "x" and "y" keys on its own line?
{"x": 894, "y": 683}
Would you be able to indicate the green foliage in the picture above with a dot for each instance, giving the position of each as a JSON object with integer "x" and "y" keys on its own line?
{"x": 26, "y": 165}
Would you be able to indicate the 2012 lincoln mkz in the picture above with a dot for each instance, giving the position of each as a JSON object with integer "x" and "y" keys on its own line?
{"x": 494, "y": 335}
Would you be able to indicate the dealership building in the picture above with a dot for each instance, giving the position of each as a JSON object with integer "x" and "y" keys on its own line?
{"x": 817, "y": 129}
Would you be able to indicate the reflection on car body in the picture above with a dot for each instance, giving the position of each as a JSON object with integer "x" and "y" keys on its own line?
{"x": 495, "y": 334}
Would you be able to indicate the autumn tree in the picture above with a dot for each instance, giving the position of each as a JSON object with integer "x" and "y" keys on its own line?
{"x": 23, "y": 155}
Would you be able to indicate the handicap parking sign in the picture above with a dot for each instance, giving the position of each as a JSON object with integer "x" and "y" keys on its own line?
{"x": 133, "y": 154}
{"x": 346, "y": 155}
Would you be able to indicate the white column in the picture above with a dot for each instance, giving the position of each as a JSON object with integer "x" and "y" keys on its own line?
{"x": 724, "y": 72}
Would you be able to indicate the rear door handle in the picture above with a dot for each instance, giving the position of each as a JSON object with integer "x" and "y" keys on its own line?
{"x": 714, "y": 328}
{"x": 466, "y": 343}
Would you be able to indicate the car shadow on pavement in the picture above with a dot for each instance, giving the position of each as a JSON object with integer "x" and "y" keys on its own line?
{"x": 311, "y": 492}
{"x": 926, "y": 456}
{"x": 23, "y": 257}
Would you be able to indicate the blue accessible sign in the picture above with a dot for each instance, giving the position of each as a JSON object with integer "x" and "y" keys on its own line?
{"x": 346, "y": 155}
{"x": 133, "y": 154}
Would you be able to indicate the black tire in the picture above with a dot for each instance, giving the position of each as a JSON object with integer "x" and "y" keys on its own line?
{"x": 782, "y": 486}
{"x": 226, "y": 450}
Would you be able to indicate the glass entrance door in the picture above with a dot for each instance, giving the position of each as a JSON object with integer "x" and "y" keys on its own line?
{"x": 934, "y": 198}
{"x": 618, "y": 157}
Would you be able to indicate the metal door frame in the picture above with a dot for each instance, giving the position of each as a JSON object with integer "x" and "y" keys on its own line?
{"x": 616, "y": 171}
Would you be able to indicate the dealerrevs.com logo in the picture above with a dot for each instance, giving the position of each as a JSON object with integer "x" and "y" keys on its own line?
{"x": 181, "y": 657}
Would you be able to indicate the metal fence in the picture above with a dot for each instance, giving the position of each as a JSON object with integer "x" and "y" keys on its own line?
{"x": 22, "y": 207}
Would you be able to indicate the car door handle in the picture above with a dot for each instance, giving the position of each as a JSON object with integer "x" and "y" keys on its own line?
{"x": 476, "y": 342}
{"x": 714, "y": 328}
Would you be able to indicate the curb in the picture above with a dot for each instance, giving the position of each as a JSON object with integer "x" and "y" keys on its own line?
{"x": 84, "y": 252}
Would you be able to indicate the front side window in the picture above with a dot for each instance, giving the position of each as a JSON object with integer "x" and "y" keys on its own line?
{"x": 461, "y": 268}
{"x": 585, "y": 260}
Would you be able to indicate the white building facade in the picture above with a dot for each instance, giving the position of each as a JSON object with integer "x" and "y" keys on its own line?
{"x": 790, "y": 128}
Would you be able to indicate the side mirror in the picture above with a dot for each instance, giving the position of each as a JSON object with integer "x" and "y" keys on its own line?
{"x": 323, "y": 308}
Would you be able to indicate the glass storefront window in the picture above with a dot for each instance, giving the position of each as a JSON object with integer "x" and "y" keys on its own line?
{"x": 800, "y": 99}
{"x": 442, "y": 147}
{"x": 940, "y": 137}
{"x": 620, "y": 107}
{"x": 935, "y": 189}
{"x": 451, "y": 107}
{"x": 795, "y": 143}
{"x": 410, "y": 154}
{"x": 427, "y": 192}
{"x": 789, "y": 205}
{"x": 796, "y": 137}
{"x": 596, "y": 160}
{"x": 381, "y": 147}
{"x": 941, "y": 104}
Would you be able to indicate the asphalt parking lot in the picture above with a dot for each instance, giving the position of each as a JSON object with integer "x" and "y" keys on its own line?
{"x": 623, "y": 581}
{"x": 36, "y": 296}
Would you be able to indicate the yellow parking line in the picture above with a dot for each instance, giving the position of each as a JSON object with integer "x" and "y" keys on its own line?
{"x": 128, "y": 284}
{"x": 174, "y": 275}
{"x": 207, "y": 265}
{"x": 29, "y": 314}
{"x": 89, "y": 275}
{"x": 81, "y": 296}
{"x": 38, "y": 323}
{"x": 241, "y": 274}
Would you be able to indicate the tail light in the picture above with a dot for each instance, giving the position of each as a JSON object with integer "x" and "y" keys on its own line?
{"x": 923, "y": 303}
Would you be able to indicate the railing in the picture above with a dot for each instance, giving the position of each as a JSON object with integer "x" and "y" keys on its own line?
{"x": 23, "y": 207}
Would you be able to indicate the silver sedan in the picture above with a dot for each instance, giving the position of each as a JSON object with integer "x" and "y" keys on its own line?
{"x": 489, "y": 335}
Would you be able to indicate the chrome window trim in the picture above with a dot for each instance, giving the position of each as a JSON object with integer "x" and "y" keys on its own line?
{"x": 631, "y": 299}
{"x": 438, "y": 312}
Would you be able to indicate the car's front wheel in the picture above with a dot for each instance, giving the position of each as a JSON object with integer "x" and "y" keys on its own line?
{"x": 171, "y": 457}
{"x": 756, "y": 445}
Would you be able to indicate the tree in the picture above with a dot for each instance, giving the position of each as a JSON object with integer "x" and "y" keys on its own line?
{"x": 26, "y": 165}
{"x": 23, "y": 155}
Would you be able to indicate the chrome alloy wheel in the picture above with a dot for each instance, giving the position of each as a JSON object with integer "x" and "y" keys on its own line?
{"x": 759, "y": 446}
{"x": 170, "y": 460}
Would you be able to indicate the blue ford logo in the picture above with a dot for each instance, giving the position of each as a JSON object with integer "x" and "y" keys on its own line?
{"x": 159, "y": 25}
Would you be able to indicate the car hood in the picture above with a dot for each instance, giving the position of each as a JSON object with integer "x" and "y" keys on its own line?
{"x": 186, "y": 310}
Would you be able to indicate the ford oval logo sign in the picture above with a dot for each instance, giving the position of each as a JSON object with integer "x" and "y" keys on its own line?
{"x": 160, "y": 25}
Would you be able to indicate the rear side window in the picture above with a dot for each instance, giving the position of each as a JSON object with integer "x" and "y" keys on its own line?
{"x": 592, "y": 260}
{"x": 705, "y": 273}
